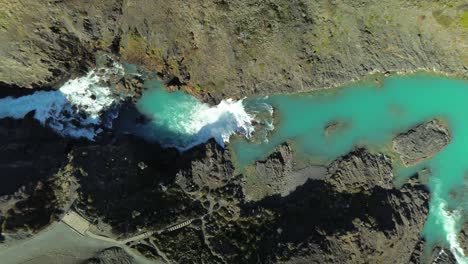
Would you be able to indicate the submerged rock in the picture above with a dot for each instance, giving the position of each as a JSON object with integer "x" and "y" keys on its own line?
{"x": 442, "y": 256}
{"x": 463, "y": 238}
{"x": 421, "y": 142}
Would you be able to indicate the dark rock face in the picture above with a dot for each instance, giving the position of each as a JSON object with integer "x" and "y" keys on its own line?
{"x": 210, "y": 167}
{"x": 421, "y": 142}
{"x": 329, "y": 224}
{"x": 437, "y": 255}
{"x": 200, "y": 211}
{"x": 417, "y": 256}
{"x": 463, "y": 238}
{"x": 43, "y": 44}
{"x": 361, "y": 171}
{"x": 442, "y": 256}
{"x": 269, "y": 176}
{"x": 131, "y": 185}
{"x": 113, "y": 255}
{"x": 318, "y": 222}
{"x": 27, "y": 156}
{"x": 34, "y": 207}
{"x": 35, "y": 188}
{"x": 278, "y": 175}
{"x": 369, "y": 228}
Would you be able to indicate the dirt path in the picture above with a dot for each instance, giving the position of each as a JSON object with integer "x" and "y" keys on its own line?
{"x": 58, "y": 244}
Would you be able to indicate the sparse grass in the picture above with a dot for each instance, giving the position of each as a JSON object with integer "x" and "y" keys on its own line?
{"x": 138, "y": 51}
{"x": 464, "y": 20}
{"x": 370, "y": 21}
{"x": 442, "y": 19}
{"x": 198, "y": 88}
{"x": 388, "y": 18}
{"x": 323, "y": 44}
{"x": 4, "y": 20}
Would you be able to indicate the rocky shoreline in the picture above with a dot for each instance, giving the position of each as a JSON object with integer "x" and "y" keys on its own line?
{"x": 232, "y": 49}
{"x": 204, "y": 212}
{"x": 195, "y": 207}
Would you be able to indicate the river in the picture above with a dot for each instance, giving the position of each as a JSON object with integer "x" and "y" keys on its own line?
{"x": 367, "y": 113}
{"x": 370, "y": 114}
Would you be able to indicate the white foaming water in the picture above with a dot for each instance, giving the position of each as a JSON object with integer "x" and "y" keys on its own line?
{"x": 219, "y": 122}
{"x": 88, "y": 96}
{"x": 179, "y": 120}
{"x": 74, "y": 110}
{"x": 449, "y": 220}
{"x": 268, "y": 122}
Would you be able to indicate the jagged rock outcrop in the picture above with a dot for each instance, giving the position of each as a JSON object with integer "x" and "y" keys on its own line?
{"x": 113, "y": 255}
{"x": 210, "y": 167}
{"x": 200, "y": 211}
{"x": 34, "y": 190}
{"x": 131, "y": 186}
{"x": 351, "y": 212}
{"x": 33, "y": 207}
{"x": 442, "y": 256}
{"x": 377, "y": 224}
{"x": 318, "y": 222}
{"x": 360, "y": 171}
{"x": 418, "y": 254}
{"x": 44, "y": 43}
{"x": 278, "y": 175}
{"x": 463, "y": 238}
{"x": 421, "y": 142}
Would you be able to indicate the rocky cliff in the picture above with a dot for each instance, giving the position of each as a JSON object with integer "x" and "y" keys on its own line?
{"x": 232, "y": 48}
{"x": 195, "y": 207}
{"x": 200, "y": 210}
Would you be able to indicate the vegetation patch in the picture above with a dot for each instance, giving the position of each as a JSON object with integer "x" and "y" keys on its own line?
{"x": 442, "y": 19}
{"x": 464, "y": 20}
{"x": 137, "y": 51}
{"x": 4, "y": 18}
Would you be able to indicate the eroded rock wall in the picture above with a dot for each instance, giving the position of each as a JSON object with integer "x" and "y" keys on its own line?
{"x": 221, "y": 49}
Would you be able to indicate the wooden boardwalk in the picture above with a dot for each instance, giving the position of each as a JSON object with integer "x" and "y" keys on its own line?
{"x": 76, "y": 222}
{"x": 82, "y": 226}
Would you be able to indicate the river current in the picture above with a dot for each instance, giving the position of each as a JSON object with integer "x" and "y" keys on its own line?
{"x": 372, "y": 114}
{"x": 369, "y": 113}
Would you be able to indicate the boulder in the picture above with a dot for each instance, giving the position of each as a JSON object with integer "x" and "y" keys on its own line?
{"x": 421, "y": 142}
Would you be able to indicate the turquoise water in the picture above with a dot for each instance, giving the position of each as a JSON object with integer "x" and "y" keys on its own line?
{"x": 180, "y": 120}
{"x": 171, "y": 111}
{"x": 372, "y": 115}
